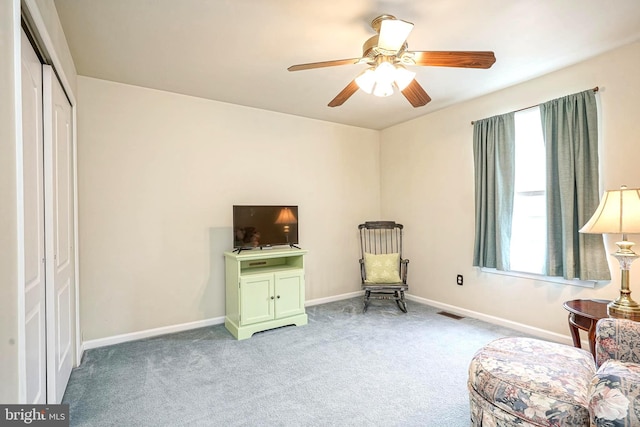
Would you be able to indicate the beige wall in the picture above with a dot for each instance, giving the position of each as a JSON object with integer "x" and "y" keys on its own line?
{"x": 429, "y": 187}
{"x": 9, "y": 51}
{"x": 158, "y": 175}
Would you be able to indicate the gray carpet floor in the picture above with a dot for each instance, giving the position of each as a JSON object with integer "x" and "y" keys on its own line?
{"x": 345, "y": 368}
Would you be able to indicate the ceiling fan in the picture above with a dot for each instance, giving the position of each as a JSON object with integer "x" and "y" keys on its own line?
{"x": 386, "y": 54}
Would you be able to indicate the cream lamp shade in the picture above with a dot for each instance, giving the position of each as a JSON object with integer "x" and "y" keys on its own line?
{"x": 618, "y": 213}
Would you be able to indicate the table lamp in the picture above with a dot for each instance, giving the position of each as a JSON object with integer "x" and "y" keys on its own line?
{"x": 619, "y": 213}
{"x": 286, "y": 217}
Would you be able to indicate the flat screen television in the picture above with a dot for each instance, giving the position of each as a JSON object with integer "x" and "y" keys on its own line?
{"x": 260, "y": 226}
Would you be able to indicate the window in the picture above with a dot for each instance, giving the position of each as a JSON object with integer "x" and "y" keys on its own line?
{"x": 528, "y": 232}
{"x": 532, "y": 193}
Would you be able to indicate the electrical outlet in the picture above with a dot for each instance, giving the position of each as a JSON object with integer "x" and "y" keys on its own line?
{"x": 459, "y": 279}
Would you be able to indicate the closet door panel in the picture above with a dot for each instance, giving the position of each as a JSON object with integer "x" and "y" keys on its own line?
{"x": 58, "y": 143}
{"x": 33, "y": 226}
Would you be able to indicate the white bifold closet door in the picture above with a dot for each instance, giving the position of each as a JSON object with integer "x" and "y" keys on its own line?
{"x": 48, "y": 236}
{"x": 59, "y": 234}
{"x": 35, "y": 339}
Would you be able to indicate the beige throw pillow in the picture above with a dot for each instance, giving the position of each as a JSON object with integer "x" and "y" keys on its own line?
{"x": 382, "y": 268}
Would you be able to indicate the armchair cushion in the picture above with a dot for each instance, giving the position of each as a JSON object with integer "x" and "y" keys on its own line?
{"x": 617, "y": 339}
{"x": 382, "y": 268}
{"x": 615, "y": 395}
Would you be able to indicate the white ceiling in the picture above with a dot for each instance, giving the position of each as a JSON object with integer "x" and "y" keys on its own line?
{"x": 238, "y": 51}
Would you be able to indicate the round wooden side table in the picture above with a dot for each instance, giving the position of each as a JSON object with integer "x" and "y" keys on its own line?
{"x": 584, "y": 314}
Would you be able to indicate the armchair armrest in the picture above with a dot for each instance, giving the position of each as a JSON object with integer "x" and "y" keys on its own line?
{"x": 617, "y": 339}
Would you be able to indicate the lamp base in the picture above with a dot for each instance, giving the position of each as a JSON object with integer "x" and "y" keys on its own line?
{"x": 624, "y": 308}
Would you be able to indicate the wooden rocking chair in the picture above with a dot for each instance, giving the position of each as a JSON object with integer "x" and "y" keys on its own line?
{"x": 382, "y": 268}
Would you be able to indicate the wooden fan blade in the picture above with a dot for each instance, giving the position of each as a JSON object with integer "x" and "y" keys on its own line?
{"x": 322, "y": 64}
{"x": 415, "y": 94}
{"x": 461, "y": 59}
{"x": 345, "y": 94}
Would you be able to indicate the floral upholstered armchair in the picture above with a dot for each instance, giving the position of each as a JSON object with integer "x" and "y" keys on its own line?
{"x": 529, "y": 382}
{"x": 614, "y": 398}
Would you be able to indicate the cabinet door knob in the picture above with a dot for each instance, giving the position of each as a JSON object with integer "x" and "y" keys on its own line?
{"x": 278, "y": 296}
{"x": 271, "y": 297}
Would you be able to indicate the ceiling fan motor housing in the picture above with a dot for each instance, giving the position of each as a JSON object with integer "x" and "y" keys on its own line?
{"x": 368, "y": 48}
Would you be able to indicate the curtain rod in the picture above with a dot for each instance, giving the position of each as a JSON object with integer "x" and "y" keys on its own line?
{"x": 595, "y": 89}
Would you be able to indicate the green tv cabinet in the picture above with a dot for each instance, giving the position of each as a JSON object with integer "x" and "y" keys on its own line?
{"x": 264, "y": 290}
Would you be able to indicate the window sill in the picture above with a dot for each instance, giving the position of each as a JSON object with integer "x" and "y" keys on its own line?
{"x": 540, "y": 278}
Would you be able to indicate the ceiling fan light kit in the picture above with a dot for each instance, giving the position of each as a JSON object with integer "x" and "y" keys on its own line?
{"x": 386, "y": 54}
{"x": 380, "y": 80}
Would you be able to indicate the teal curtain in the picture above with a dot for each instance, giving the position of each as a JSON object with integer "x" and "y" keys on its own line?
{"x": 494, "y": 164}
{"x": 570, "y": 129}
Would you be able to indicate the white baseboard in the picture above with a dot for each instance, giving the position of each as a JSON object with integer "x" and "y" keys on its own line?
{"x": 537, "y": 332}
{"x": 133, "y": 336}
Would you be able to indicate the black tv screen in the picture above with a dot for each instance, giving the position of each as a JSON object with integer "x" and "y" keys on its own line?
{"x": 262, "y": 226}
